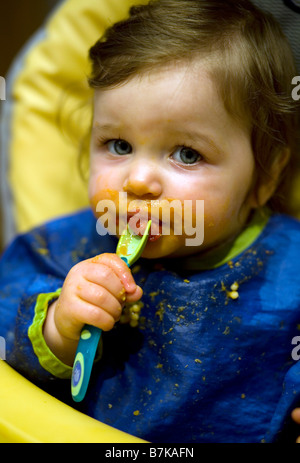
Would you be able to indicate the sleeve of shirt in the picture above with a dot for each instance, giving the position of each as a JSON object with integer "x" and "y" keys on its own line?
{"x": 32, "y": 271}
{"x": 35, "y": 332}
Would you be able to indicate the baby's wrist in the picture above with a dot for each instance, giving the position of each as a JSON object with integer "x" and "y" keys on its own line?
{"x": 63, "y": 348}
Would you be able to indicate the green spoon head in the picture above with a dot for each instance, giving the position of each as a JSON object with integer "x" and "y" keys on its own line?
{"x": 130, "y": 246}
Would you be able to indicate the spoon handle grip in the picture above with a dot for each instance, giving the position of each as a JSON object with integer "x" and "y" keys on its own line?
{"x": 84, "y": 359}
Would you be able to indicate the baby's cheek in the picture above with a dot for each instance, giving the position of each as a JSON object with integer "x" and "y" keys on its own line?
{"x": 93, "y": 202}
{"x": 218, "y": 218}
{"x": 101, "y": 198}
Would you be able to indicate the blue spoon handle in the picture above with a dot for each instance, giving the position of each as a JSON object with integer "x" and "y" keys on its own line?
{"x": 84, "y": 359}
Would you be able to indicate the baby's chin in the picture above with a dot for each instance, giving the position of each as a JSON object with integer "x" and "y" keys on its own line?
{"x": 163, "y": 247}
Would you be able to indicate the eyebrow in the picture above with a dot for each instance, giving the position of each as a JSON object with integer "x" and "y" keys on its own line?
{"x": 103, "y": 127}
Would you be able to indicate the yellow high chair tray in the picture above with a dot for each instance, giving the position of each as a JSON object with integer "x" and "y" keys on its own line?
{"x": 30, "y": 415}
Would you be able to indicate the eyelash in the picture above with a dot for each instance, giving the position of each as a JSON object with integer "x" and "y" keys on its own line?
{"x": 103, "y": 141}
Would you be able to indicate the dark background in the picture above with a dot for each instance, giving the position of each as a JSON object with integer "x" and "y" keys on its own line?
{"x": 19, "y": 19}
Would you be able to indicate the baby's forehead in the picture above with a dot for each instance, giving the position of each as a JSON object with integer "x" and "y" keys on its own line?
{"x": 224, "y": 81}
{"x": 174, "y": 93}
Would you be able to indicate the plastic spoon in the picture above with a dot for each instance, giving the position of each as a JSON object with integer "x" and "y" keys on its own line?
{"x": 130, "y": 248}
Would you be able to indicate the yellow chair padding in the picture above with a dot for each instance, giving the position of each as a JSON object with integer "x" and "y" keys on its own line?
{"x": 30, "y": 415}
{"x": 44, "y": 174}
{"x": 46, "y": 182}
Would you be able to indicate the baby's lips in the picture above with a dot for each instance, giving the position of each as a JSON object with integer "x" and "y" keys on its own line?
{"x": 155, "y": 231}
{"x": 138, "y": 227}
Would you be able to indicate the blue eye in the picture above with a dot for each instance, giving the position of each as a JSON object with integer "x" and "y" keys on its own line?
{"x": 186, "y": 155}
{"x": 120, "y": 147}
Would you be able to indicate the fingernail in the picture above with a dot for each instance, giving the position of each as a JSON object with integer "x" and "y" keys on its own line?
{"x": 129, "y": 286}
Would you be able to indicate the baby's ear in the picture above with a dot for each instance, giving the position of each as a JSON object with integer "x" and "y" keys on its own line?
{"x": 266, "y": 186}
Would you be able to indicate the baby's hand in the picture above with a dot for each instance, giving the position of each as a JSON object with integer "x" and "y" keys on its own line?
{"x": 93, "y": 293}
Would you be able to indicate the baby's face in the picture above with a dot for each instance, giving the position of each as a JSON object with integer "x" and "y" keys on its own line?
{"x": 167, "y": 137}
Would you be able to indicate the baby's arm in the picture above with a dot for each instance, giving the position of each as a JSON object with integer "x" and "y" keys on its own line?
{"x": 93, "y": 292}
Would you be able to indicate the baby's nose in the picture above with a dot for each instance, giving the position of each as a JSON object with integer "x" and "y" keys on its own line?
{"x": 143, "y": 179}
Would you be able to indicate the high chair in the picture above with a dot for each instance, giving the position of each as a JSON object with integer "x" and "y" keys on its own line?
{"x": 41, "y": 179}
{"x": 44, "y": 135}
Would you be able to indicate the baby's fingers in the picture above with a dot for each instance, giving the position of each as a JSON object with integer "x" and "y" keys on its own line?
{"x": 121, "y": 270}
{"x": 100, "y": 276}
{"x": 96, "y": 316}
{"x": 101, "y": 298}
{"x": 136, "y": 296}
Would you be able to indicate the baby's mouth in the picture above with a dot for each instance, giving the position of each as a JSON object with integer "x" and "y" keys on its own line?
{"x": 137, "y": 222}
